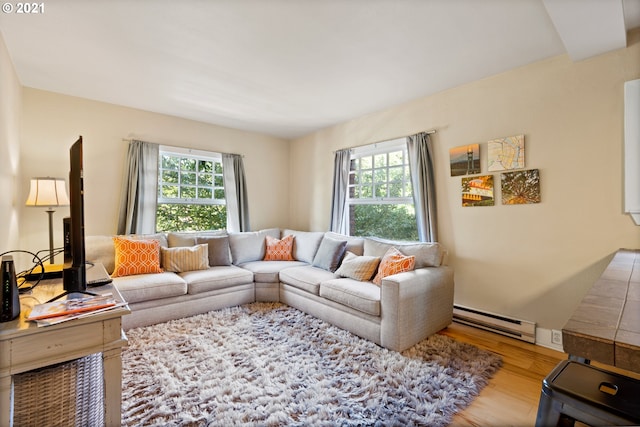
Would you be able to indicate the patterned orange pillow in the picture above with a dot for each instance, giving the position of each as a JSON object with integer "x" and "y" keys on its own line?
{"x": 136, "y": 257}
{"x": 394, "y": 262}
{"x": 279, "y": 250}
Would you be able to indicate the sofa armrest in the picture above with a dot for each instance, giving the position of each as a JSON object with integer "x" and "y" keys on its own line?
{"x": 414, "y": 305}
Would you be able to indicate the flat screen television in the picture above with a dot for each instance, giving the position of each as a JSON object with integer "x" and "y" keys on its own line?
{"x": 74, "y": 271}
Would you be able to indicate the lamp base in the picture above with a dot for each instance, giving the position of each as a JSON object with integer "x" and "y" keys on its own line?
{"x": 51, "y": 271}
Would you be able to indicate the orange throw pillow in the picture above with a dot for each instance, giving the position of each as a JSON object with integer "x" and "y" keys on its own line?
{"x": 279, "y": 250}
{"x": 394, "y": 262}
{"x": 136, "y": 257}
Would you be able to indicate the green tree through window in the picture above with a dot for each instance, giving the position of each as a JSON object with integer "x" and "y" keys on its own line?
{"x": 380, "y": 192}
{"x": 190, "y": 191}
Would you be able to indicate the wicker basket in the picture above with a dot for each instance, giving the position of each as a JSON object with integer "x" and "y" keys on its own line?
{"x": 66, "y": 394}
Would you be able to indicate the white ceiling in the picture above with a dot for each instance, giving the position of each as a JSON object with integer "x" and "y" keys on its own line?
{"x": 290, "y": 67}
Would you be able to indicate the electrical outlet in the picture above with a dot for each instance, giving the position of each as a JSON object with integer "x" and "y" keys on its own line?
{"x": 556, "y": 336}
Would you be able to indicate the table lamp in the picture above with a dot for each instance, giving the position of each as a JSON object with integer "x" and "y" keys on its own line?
{"x": 49, "y": 192}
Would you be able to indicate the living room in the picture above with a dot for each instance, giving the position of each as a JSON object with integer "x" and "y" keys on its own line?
{"x": 532, "y": 262}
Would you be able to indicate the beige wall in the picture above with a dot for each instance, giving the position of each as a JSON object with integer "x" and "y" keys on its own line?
{"x": 10, "y": 97}
{"x": 52, "y": 122}
{"x": 529, "y": 261}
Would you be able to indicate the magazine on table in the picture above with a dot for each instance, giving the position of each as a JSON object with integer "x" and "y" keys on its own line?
{"x": 72, "y": 307}
{"x": 64, "y": 318}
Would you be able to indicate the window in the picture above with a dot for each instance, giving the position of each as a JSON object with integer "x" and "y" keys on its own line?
{"x": 190, "y": 191}
{"x": 380, "y": 192}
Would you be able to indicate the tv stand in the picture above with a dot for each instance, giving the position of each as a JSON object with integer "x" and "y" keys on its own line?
{"x": 25, "y": 347}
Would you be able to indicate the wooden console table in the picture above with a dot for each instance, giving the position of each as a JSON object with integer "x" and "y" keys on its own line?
{"x": 606, "y": 325}
{"x": 24, "y": 347}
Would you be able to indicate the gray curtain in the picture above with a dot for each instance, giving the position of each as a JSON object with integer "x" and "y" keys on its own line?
{"x": 424, "y": 191}
{"x": 235, "y": 188}
{"x": 139, "y": 195}
{"x": 341, "y": 167}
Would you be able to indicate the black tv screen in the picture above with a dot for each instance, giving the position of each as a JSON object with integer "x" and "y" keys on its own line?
{"x": 74, "y": 272}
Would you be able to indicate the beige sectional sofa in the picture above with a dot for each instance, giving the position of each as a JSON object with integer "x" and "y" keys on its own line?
{"x": 326, "y": 277}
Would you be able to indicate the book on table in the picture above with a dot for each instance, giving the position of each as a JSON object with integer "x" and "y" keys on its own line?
{"x": 72, "y": 307}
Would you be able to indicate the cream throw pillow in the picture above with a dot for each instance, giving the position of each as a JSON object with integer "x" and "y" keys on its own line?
{"x": 186, "y": 258}
{"x": 356, "y": 267}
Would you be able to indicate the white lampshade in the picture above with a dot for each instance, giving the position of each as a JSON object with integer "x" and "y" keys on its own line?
{"x": 47, "y": 192}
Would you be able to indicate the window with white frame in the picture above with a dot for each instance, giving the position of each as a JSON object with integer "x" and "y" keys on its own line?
{"x": 190, "y": 190}
{"x": 380, "y": 192}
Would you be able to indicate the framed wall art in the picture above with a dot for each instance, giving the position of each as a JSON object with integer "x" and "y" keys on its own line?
{"x": 521, "y": 187}
{"x": 465, "y": 160}
{"x": 477, "y": 191}
{"x": 505, "y": 153}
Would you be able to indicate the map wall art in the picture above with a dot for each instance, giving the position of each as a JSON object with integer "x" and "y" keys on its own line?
{"x": 505, "y": 153}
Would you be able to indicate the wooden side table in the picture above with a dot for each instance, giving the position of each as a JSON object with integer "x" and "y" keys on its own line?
{"x": 24, "y": 347}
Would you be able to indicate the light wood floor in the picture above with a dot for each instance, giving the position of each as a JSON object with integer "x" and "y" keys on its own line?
{"x": 511, "y": 398}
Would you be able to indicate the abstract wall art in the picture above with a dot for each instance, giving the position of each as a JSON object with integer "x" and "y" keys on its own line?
{"x": 521, "y": 187}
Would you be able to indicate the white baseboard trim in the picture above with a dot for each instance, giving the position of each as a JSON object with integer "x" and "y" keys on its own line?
{"x": 543, "y": 338}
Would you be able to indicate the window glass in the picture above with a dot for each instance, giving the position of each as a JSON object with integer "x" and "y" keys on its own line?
{"x": 190, "y": 191}
{"x": 380, "y": 192}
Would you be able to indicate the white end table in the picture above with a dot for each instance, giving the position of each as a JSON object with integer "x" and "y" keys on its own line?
{"x": 24, "y": 346}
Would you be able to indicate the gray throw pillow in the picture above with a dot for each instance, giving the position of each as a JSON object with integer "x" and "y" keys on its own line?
{"x": 218, "y": 250}
{"x": 330, "y": 254}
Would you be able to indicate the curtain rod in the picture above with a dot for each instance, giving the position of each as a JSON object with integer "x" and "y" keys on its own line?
{"x": 177, "y": 146}
{"x": 428, "y": 132}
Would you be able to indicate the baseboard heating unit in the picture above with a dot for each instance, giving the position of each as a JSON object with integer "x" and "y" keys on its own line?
{"x": 515, "y": 328}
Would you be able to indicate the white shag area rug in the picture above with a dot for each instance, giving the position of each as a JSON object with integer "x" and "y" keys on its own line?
{"x": 267, "y": 364}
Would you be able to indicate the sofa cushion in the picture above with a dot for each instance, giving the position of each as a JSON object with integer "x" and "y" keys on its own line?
{"x": 354, "y": 244}
{"x": 219, "y": 253}
{"x": 306, "y": 277}
{"x": 100, "y": 249}
{"x": 329, "y": 253}
{"x": 188, "y": 238}
{"x": 358, "y": 267}
{"x": 249, "y": 246}
{"x": 185, "y": 258}
{"x": 305, "y": 244}
{"x": 427, "y": 254}
{"x": 394, "y": 262}
{"x": 268, "y": 271}
{"x": 361, "y": 296}
{"x": 214, "y": 278}
{"x": 160, "y": 237}
{"x": 136, "y": 257}
{"x": 144, "y": 287}
{"x": 279, "y": 249}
